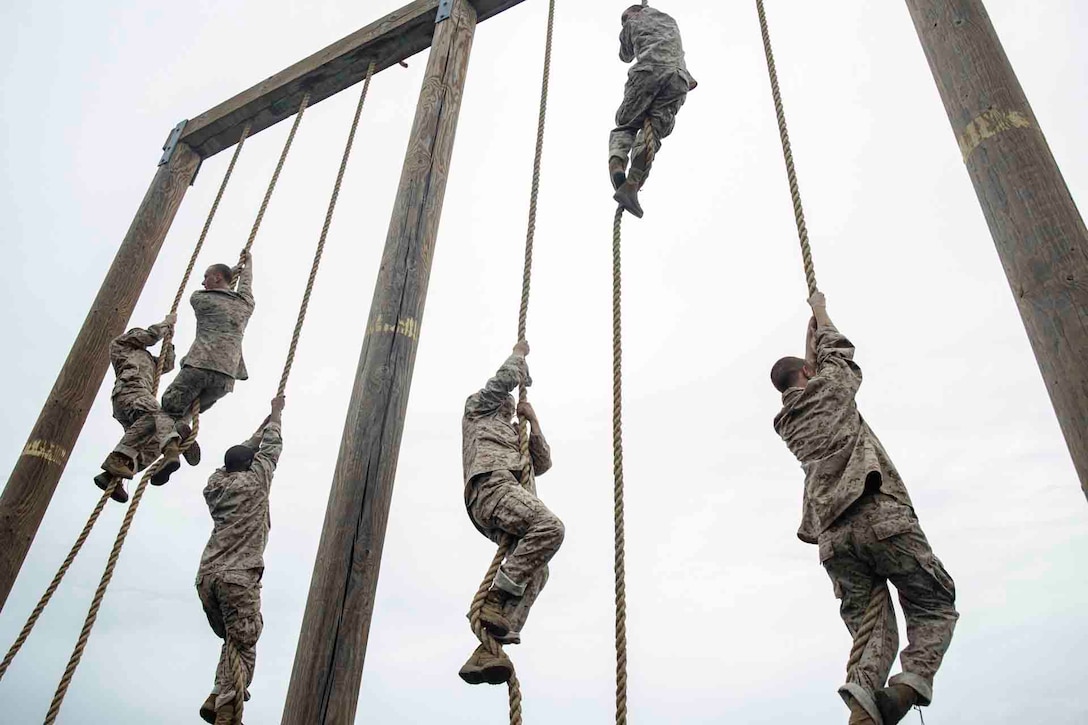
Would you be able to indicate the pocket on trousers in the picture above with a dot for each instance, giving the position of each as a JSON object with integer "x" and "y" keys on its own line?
{"x": 893, "y": 527}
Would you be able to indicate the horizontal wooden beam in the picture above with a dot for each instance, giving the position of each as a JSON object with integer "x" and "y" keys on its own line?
{"x": 396, "y": 37}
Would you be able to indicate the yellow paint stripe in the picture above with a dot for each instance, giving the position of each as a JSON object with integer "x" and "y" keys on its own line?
{"x": 51, "y": 452}
{"x": 987, "y": 125}
{"x": 407, "y": 327}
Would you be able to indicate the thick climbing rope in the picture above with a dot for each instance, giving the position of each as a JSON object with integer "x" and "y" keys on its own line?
{"x": 878, "y": 600}
{"x": 617, "y": 472}
{"x": 137, "y": 497}
{"x": 787, "y": 152}
{"x": 93, "y": 519}
{"x": 513, "y": 686}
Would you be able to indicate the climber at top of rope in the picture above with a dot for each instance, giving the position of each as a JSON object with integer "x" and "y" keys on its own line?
{"x": 148, "y": 431}
{"x": 214, "y": 361}
{"x": 500, "y": 496}
{"x": 229, "y": 578}
{"x": 657, "y": 86}
{"x": 856, "y": 508}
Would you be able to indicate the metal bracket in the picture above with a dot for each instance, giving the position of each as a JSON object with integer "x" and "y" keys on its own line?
{"x": 172, "y": 143}
{"x": 445, "y": 8}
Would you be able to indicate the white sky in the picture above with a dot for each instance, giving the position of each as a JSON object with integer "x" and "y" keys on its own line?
{"x": 730, "y": 617}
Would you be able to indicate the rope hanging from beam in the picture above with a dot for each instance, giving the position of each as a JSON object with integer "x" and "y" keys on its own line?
{"x": 108, "y": 492}
{"x": 137, "y": 497}
{"x": 488, "y": 641}
{"x": 619, "y": 563}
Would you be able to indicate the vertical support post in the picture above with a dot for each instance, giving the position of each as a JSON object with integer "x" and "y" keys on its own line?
{"x": 328, "y": 666}
{"x": 38, "y": 470}
{"x": 1039, "y": 232}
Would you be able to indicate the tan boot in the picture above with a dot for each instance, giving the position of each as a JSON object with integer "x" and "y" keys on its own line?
{"x": 120, "y": 465}
{"x": 617, "y": 169}
{"x": 225, "y": 715}
{"x": 492, "y": 616}
{"x": 858, "y": 715}
{"x": 103, "y": 481}
{"x": 207, "y": 710}
{"x": 192, "y": 456}
{"x": 895, "y": 702}
{"x": 171, "y": 461}
{"x": 483, "y": 666}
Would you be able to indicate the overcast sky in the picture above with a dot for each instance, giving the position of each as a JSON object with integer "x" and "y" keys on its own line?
{"x": 730, "y": 617}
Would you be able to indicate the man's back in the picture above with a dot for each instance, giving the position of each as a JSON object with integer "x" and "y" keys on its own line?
{"x": 653, "y": 37}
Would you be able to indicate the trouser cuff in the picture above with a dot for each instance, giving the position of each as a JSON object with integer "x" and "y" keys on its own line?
{"x": 863, "y": 698}
{"x": 508, "y": 585}
{"x": 917, "y": 683}
{"x": 128, "y": 452}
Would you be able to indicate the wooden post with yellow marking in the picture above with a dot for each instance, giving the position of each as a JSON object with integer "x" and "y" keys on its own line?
{"x": 31, "y": 485}
{"x": 328, "y": 664}
{"x": 1039, "y": 232}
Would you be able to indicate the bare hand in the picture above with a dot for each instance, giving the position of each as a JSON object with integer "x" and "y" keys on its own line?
{"x": 525, "y": 410}
{"x": 817, "y": 301}
{"x": 170, "y": 320}
{"x": 277, "y": 404}
{"x": 522, "y": 348}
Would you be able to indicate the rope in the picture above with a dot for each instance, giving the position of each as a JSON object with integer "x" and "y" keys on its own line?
{"x": 617, "y": 474}
{"x": 272, "y": 184}
{"x": 324, "y": 234}
{"x": 787, "y": 152}
{"x": 234, "y": 661}
{"x": 873, "y": 612}
{"x": 93, "y": 519}
{"x": 513, "y": 686}
{"x": 107, "y": 575}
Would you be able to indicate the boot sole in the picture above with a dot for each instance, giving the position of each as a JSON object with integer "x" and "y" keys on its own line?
{"x": 164, "y": 475}
{"x": 493, "y": 675}
{"x": 496, "y": 629}
{"x": 192, "y": 456}
{"x": 119, "y": 494}
{"x": 207, "y": 715}
{"x": 622, "y": 201}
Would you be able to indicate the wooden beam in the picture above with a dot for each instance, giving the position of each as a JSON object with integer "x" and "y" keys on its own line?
{"x": 328, "y": 665}
{"x": 396, "y": 37}
{"x": 37, "y": 471}
{"x": 1040, "y": 235}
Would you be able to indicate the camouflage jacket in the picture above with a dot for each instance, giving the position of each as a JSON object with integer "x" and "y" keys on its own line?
{"x": 489, "y": 439}
{"x": 238, "y": 503}
{"x": 134, "y": 365}
{"x": 221, "y": 318}
{"x": 654, "y": 39}
{"x": 822, "y": 427}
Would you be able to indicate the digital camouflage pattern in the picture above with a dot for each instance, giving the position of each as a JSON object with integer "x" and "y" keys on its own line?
{"x": 193, "y": 384}
{"x": 147, "y": 428}
{"x": 221, "y": 319}
{"x": 238, "y": 503}
{"x": 498, "y": 502}
{"x": 875, "y": 541}
{"x": 232, "y": 603}
{"x": 822, "y": 427}
{"x": 857, "y": 510}
{"x": 657, "y": 85}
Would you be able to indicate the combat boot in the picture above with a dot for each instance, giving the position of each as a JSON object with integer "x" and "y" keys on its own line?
{"x": 483, "y": 666}
{"x": 895, "y": 702}
{"x": 120, "y": 465}
{"x": 510, "y": 637}
{"x": 627, "y": 195}
{"x": 207, "y": 710}
{"x": 225, "y": 715}
{"x": 858, "y": 714}
{"x": 192, "y": 456}
{"x": 491, "y": 615}
{"x": 617, "y": 169}
{"x": 171, "y": 461}
{"x": 103, "y": 480}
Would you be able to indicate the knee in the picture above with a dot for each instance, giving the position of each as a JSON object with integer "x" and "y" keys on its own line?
{"x": 553, "y": 529}
{"x": 246, "y": 631}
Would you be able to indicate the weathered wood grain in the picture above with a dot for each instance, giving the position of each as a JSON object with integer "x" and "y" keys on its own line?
{"x": 31, "y": 485}
{"x": 396, "y": 37}
{"x": 1039, "y": 233}
{"x": 332, "y": 645}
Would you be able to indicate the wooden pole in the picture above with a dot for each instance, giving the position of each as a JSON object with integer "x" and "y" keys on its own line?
{"x": 1039, "y": 233}
{"x": 328, "y": 664}
{"x": 34, "y": 480}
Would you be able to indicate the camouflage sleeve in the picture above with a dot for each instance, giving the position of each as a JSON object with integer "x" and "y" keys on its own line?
{"x": 627, "y": 45}
{"x": 245, "y": 283}
{"x": 138, "y": 338}
{"x": 540, "y": 452}
{"x": 488, "y": 399}
{"x": 268, "y": 454}
{"x": 168, "y": 357}
{"x": 835, "y": 354}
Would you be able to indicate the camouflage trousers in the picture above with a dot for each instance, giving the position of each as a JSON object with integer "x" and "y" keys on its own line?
{"x": 499, "y": 506}
{"x": 147, "y": 428}
{"x": 876, "y": 541}
{"x": 191, "y": 384}
{"x": 232, "y": 603}
{"x": 651, "y": 92}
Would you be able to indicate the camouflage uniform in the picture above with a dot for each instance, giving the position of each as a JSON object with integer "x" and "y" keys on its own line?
{"x": 215, "y": 360}
{"x": 498, "y": 502}
{"x": 147, "y": 428}
{"x": 229, "y": 579}
{"x": 856, "y": 509}
{"x": 657, "y": 85}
